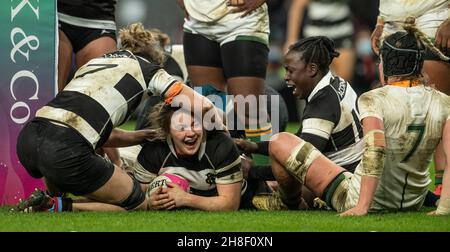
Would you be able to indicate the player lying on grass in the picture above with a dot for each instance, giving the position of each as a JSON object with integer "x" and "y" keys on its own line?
{"x": 59, "y": 143}
{"x": 208, "y": 159}
{"x": 403, "y": 122}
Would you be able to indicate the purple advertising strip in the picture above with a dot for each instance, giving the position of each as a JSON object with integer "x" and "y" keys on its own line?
{"x": 28, "y": 56}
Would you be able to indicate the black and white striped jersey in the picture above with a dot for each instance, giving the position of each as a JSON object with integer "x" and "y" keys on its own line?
{"x": 217, "y": 162}
{"x": 96, "y": 14}
{"x": 331, "y": 122}
{"x": 329, "y": 18}
{"x": 103, "y": 94}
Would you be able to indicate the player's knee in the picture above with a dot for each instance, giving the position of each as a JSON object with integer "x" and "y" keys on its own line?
{"x": 279, "y": 141}
{"x": 136, "y": 197}
{"x": 300, "y": 159}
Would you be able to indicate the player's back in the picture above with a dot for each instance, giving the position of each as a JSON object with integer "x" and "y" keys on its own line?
{"x": 413, "y": 120}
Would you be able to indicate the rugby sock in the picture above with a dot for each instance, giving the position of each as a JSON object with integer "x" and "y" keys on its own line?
{"x": 430, "y": 199}
{"x": 438, "y": 177}
{"x": 263, "y": 172}
{"x": 438, "y": 181}
{"x": 61, "y": 204}
{"x": 262, "y": 133}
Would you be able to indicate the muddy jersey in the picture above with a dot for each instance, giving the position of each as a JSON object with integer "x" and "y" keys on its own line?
{"x": 217, "y": 162}
{"x": 103, "y": 94}
{"x": 413, "y": 122}
{"x": 429, "y": 14}
{"x": 213, "y": 10}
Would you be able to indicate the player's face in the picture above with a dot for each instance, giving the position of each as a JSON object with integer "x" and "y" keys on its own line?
{"x": 186, "y": 133}
{"x": 296, "y": 75}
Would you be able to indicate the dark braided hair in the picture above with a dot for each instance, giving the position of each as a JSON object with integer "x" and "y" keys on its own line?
{"x": 318, "y": 50}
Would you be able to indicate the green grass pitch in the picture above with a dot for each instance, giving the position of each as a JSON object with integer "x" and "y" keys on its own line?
{"x": 242, "y": 221}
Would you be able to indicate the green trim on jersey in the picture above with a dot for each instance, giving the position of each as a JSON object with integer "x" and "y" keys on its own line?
{"x": 252, "y": 38}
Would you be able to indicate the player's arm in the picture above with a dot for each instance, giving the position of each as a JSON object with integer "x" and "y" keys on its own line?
{"x": 228, "y": 198}
{"x": 228, "y": 179}
{"x": 372, "y": 164}
{"x": 228, "y": 182}
{"x": 444, "y": 202}
{"x": 294, "y": 22}
{"x": 124, "y": 138}
{"x": 376, "y": 35}
{"x": 442, "y": 38}
{"x": 178, "y": 94}
{"x": 321, "y": 115}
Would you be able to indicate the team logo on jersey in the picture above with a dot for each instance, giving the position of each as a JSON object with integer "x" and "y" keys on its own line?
{"x": 210, "y": 179}
{"x": 104, "y": 31}
{"x": 339, "y": 86}
{"x": 118, "y": 54}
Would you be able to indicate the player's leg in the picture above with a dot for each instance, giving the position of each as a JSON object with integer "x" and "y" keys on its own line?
{"x": 439, "y": 166}
{"x": 302, "y": 161}
{"x": 203, "y": 61}
{"x": 343, "y": 65}
{"x": 93, "y": 44}
{"x": 245, "y": 63}
{"x": 438, "y": 73}
{"x": 120, "y": 192}
{"x": 65, "y": 51}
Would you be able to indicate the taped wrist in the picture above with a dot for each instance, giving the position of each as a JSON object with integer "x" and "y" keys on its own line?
{"x": 301, "y": 159}
{"x": 374, "y": 154}
{"x": 380, "y": 21}
{"x": 443, "y": 207}
{"x": 173, "y": 91}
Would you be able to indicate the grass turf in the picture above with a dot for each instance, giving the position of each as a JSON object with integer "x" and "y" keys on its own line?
{"x": 242, "y": 221}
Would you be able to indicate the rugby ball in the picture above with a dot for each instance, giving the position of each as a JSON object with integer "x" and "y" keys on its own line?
{"x": 165, "y": 178}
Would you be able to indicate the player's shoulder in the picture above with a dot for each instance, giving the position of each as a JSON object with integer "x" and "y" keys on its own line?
{"x": 216, "y": 139}
{"x": 154, "y": 150}
{"x": 373, "y": 95}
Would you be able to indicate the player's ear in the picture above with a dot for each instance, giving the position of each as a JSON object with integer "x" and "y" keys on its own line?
{"x": 312, "y": 69}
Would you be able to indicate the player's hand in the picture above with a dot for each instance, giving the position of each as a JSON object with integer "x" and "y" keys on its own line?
{"x": 356, "y": 211}
{"x": 159, "y": 200}
{"x": 246, "y": 6}
{"x": 246, "y": 146}
{"x": 147, "y": 134}
{"x": 432, "y": 213}
{"x": 246, "y": 165}
{"x": 375, "y": 39}
{"x": 181, "y": 4}
{"x": 443, "y": 37}
{"x": 176, "y": 194}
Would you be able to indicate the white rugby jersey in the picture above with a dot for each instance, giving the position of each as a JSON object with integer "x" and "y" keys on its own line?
{"x": 103, "y": 94}
{"x": 213, "y": 10}
{"x": 429, "y": 14}
{"x": 413, "y": 120}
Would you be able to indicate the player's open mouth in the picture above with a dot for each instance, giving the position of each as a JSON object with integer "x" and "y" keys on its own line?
{"x": 291, "y": 85}
{"x": 190, "y": 141}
